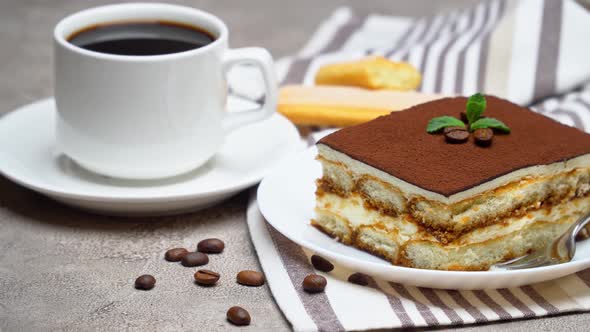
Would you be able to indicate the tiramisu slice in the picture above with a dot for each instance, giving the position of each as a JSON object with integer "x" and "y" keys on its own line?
{"x": 392, "y": 189}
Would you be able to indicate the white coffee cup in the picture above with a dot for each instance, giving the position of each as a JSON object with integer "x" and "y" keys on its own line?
{"x": 145, "y": 117}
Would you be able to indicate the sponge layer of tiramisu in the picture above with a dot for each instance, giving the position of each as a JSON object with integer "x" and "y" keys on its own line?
{"x": 390, "y": 188}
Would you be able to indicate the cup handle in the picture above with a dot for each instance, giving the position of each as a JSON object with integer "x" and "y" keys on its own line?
{"x": 263, "y": 60}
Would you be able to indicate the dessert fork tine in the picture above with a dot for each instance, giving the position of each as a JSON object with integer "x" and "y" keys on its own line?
{"x": 561, "y": 250}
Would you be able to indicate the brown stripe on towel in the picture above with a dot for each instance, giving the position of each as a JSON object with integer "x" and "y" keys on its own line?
{"x": 485, "y": 46}
{"x": 418, "y": 29}
{"x": 539, "y": 299}
{"x": 434, "y": 31}
{"x": 343, "y": 34}
{"x": 443, "y": 53}
{"x": 516, "y": 302}
{"x": 401, "y": 41}
{"x": 461, "y": 59}
{"x": 427, "y": 23}
{"x": 462, "y": 301}
{"x": 435, "y": 300}
{"x": 396, "y": 305}
{"x": 299, "y": 67}
{"x": 479, "y": 31}
{"x": 548, "y": 52}
{"x": 487, "y": 300}
{"x": 422, "y": 308}
{"x": 297, "y": 70}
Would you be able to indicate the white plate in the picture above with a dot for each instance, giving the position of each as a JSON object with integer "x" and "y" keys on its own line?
{"x": 28, "y": 156}
{"x": 286, "y": 199}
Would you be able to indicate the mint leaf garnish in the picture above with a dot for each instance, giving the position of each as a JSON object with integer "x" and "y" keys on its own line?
{"x": 438, "y": 123}
{"x": 489, "y": 123}
{"x": 476, "y": 105}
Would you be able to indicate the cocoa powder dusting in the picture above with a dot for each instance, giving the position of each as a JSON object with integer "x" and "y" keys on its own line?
{"x": 399, "y": 145}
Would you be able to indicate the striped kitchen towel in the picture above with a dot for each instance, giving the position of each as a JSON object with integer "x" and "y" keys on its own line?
{"x": 531, "y": 52}
{"x": 344, "y": 306}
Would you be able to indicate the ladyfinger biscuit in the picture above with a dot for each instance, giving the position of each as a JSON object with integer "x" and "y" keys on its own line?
{"x": 335, "y": 106}
{"x": 374, "y": 72}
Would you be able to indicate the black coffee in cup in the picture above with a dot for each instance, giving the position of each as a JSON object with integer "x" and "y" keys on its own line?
{"x": 159, "y": 113}
{"x": 141, "y": 38}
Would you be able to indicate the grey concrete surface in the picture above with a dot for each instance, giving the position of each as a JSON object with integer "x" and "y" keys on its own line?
{"x": 63, "y": 269}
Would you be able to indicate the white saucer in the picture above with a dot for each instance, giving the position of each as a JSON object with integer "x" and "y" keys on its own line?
{"x": 286, "y": 199}
{"x": 28, "y": 156}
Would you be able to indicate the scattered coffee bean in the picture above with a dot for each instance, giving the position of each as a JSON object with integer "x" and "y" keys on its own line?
{"x": 452, "y": 128}
{"x": 211, "y": 246}
{"x": 194, "y": 259}
{"x": 250, "y": 278}
{"x": 483, "y": 136}
{"x": 175, "y": 255}
{"x": 238, "y": 316}
{"x": 321, "y": 263}
{"x": 457, "y": 136}
{"x": 206, "y": 277}
{"x": 314, "y": 283}
{"x": 145, "y": 282}
{"x": 359, "y": 279}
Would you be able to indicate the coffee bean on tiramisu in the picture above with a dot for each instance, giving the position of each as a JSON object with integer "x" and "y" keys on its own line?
{"x": 452, "y": 128}
{"x": 238, "y": 316}
{"x": 457, "y": 136}
{"x": 483, "y": 136}
{"x": 145, "y": 282}
{"x": 206, "y": 277}
{"x": 359, "y": 279}
{"x": 175, "y": 255}
{"x": 322, "y": 264}
{"x": 194, "y": 259}
{"x": 211, "y": 246}
{"x": 314, "y": 283}
{"x": 250, "y": 278}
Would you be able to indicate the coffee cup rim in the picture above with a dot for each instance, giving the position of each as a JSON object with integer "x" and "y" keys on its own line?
{"x": 60, "y": 36}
